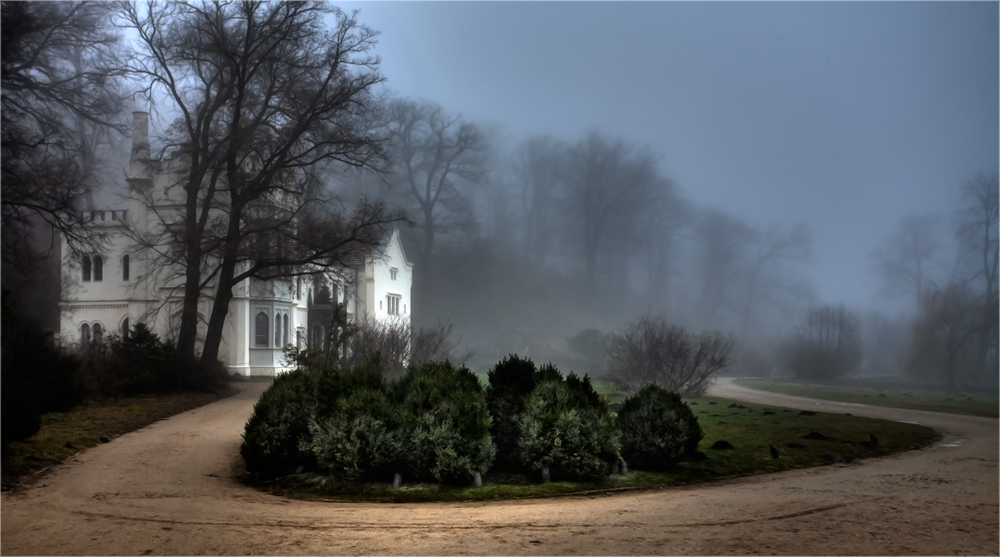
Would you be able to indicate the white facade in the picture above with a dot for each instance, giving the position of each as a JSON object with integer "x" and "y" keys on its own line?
{"x": 135, "y": 282}
{"x": 383, "y": 285}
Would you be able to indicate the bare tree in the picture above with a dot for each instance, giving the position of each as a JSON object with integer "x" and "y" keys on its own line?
{"x": 434, "y": 153}
{"x": 910, "y": 261}
{"x": 395, "y": 341}
{"x": 651, "y": 351}
{"x": 606, "y": 182}
{"x": 770, "y": 272}
{"x": 667, "y": 214}
{"x": 266, "y": 96}
{"x": 950, "y": 317}
{"x": 885, "y": 342}
{"x": 536, "y": 168}
{"x": 720, "y": 241}
{"x": 61, "y": 113}
{"x": 979, "y": 257}
{"x": 828, "y": 344}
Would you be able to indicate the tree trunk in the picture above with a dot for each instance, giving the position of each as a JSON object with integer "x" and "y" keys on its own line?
{"x": 224, "y": 291}
{"x": 427, "y": 255}
{"x": 188, "y": 334}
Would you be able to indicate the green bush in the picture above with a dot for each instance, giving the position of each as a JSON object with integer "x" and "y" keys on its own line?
{"x": 36, "y": 376}
{"x": 279, "y": 424}
{"x": 21, "y": 416}
{"x": 361, "y": 440}
{"x": 657, "y": 429}
{"x": 559, "y": 430}
{"x": 510, "y": 381}
{"x": 278, "y": 438}
{"x": 334, "y": 384}
{"x": 583, "y": 393}
{"x": 446, "y": 423}
{"x": 141, "y": 363}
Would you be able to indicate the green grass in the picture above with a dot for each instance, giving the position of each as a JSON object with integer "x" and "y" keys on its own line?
{"x": 952, "y": 402}
{"x": 63, "y": 434}
{"x": 750, "y": 429}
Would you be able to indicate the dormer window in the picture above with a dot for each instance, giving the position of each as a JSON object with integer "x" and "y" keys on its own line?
{"x": 393, "y": 272}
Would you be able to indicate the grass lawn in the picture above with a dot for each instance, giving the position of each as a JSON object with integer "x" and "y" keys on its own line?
{"x": 63, "y": 434}
{"x": 750, "y": 428}
{"x": 972, "y": 404}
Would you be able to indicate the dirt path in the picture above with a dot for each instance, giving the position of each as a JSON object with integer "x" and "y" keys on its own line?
{"x": 165, "y": 490}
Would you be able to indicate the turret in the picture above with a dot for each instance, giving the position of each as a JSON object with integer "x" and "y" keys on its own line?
{"x": 140, "y": 136}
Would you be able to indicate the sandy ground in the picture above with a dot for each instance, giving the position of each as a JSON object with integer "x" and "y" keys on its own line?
{"x": 165, "y": 490}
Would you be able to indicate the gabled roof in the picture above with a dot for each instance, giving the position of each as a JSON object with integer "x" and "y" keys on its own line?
{"x": 383, "y": 247}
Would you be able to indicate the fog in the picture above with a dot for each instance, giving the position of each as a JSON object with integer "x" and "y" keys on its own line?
{"x": 813, "y": 129}
{"x": 771, "y": 171}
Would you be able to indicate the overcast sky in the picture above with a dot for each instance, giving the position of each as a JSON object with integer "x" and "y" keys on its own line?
{"x": 844, "y": 115}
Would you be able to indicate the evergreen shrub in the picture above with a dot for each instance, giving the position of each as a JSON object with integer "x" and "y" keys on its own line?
{"x": 561, "y": 429}
{"x": 446, "y": 423}
{"x": 510, "y": 381}
{"x": 361, "y": 440}
{"x": 657, "y": 429}
{"x": 279, "y": 424}
{"x": 280, "y": 435}
{"x": 36, "y": 376}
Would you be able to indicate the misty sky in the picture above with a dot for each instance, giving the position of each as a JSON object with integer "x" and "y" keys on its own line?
{"x": 843, "y": 115}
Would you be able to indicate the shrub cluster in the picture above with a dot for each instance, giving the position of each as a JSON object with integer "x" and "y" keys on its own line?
{"x": 446, "y": 423}
{"x": 354, "y": 425}
{"x": 36, "y": 376}
{"x": 510, "y": 382}
{"x": 436, "y": 423}
{"x": 657, "y": 429}
{"x": 141, "y": 363}
{"x": 561, "y": 429}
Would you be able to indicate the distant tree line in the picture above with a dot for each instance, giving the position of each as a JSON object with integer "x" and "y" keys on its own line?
{"x": 275, "y": 115}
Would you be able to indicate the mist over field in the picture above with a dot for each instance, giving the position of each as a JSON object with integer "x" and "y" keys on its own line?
{"x": 775, "y": 172}
{"x": 816, "y": 182}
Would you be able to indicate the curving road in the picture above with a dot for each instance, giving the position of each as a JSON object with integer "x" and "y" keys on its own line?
{"x": 166, "y": 489}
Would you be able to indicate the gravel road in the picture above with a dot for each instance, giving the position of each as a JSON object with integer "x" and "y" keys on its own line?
{"x": 165, "y": 489}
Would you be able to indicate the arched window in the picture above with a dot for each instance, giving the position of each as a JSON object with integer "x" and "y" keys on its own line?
{"x": 125, "y": 267}
{"x": 284, "y": 329}
{"x": 277, "y": 330}
{"x": 125, "y": 325}
{"x": 98, "y": 269}
{"x": 84, "y": 335}
{"x": 318, "y": 337}
{"x": 86, "y": 271}
{"x": 98, "y": 334}
{"x": 260, "y": 329}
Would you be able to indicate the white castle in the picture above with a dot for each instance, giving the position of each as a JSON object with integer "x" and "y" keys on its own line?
{"x": 131, "y": 282}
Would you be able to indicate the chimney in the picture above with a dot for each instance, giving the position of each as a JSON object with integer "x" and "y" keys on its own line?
{"x": 140, "y": 136}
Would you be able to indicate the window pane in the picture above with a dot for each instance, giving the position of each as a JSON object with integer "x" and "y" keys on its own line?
{"x": 98, "y": 334}
{"x": 86, "y": 271}
{"x": 98, "y": 270}
{"x": 277, "y": 329}
{"x": 125, "y": 267}
{"x": 125, "y": 325}
{"x": 260, "y": 326}
{"x": 85, "y": 334}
